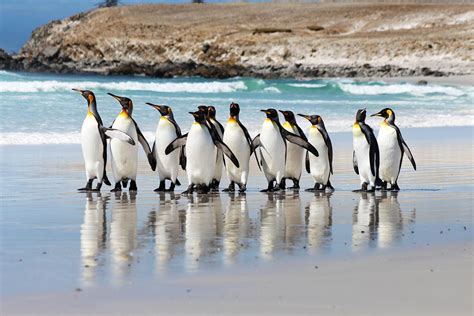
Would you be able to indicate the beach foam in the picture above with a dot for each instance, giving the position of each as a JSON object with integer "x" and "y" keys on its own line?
{"x": 166, "y": 87}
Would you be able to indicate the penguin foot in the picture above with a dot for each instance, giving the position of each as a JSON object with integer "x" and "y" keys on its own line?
{"x": 310, "y": 190}
{"x": 242, "y": 188}
{"x": 203, "y": 189}
{"x": 124, "y": 183}
{"x": 88, "y": 186}
{"x": 363, "y": 188}
{"x": 189, "y": 190}
{"x": 395, "y": 187}
{"x": 231, "y": 187}
{"x": 161, "y": 188}
{"x": 171, "y": 188}
{"x": 133, "y": 186}
{"x": 117, "y": 188}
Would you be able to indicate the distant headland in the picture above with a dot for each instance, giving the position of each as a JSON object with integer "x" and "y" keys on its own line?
{"x": 269, "y": 40}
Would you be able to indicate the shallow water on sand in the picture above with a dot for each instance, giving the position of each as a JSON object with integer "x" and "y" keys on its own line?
{"x": 55, "y": 239}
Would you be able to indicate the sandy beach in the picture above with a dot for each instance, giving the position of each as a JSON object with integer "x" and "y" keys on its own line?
{"x": 299, "y": 253}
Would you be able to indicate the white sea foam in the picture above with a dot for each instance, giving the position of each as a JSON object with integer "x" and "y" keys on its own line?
{"x": 308, "y": 85}
{"x": 272, "y": 89}
{"x": 416, "y": 90}
{"x": 169, "y": 87}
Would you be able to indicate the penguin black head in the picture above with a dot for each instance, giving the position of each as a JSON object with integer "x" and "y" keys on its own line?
{"x": 289, "y": 117}
{"x": 361, "y": 115}
{"x": 272, "y": 114}
{"x": 203, "y": 108}
{"x": 87, "y": 94}
{"x": 211, "y": 112}
{"x": 163, "y": 109}
{"x": 386, "y": 113}
{"x": 234, "y": 109}
{"x": 199, "y": 117}
{"x": 313, "y": 119}
{"x": 126, "y": 103}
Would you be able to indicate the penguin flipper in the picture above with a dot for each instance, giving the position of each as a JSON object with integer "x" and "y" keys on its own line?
{"x": 307, "y": 165}
{"x": 115, "y": 133}
{"x": 178, "y": 142}
{"x": 226, "y": 150}
{"x": 297, "y": 140}
{"x": 374, "y": 154}
{"x": 182, "y": 158}
{"x": 409, "y": 154}
{"x": 146, "y": 147}
{"x": 354, "y": 162}
{"x": 255, "y": 143}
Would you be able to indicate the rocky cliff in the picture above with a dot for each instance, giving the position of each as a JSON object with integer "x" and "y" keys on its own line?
{"x": 262, "y": 40}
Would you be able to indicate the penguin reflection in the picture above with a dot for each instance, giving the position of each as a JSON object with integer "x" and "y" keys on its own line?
{"x": 236, "y": 227}
{"x": 167, "y": 232}
{"x": 318, "y": 219}
{"x": 377, "y": 219}
{"x": 390, "y": 223}
{"x": 93, "y": 236}
{"x": 293, "y": 229}
{"x": 272, "y": 226}
{"x": 364, "y": 221}
{"x": 123, "y": 233}
{"x": 202, "y": 226}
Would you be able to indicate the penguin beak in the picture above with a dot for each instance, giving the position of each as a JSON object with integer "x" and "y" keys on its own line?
{"x": 195, "y": 114}
{"x": 77, "y": 90}
{"x": 116, "y": 97}
{"x": 264, "y": 111}
{"x": 377, "y": 114}
{"x": 305, "y": 116}
{"x": 153, "y": 105}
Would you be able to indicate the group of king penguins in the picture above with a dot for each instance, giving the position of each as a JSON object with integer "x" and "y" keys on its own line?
{"x": 209, "y": 147}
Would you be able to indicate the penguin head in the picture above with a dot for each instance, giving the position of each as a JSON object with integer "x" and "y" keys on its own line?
{"x": 289, "y": 117}
{"x": 313, "y": 119}
{"x": 203, "y": 109}
{"x": 126, "y": 103}
{"x": 234, "y": 109}
{"x": 87, "y": 94}
{"x": 163, "y": 109}
{"x": 361, "y": 115}
{"x": 386, "y": 113}
{"x": 211, "y": 112}
{"x": 272, "y": 114}
{"x": 199, "y": 117}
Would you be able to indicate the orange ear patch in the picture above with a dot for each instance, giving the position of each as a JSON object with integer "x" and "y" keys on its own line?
{"x": 91, "y": 98}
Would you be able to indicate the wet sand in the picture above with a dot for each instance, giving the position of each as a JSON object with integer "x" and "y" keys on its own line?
{"x": 145, "y": 253}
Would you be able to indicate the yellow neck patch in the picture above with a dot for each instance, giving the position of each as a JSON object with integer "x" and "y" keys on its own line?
{"x": 232, "y": 120}
{"x": 123, "y": 113}
{"x": 287, "y": 125}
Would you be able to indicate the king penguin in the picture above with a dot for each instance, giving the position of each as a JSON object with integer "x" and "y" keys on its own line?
{"x": 201, "y": 143}
{"x": 320, "y": 167}
{"x": 94, "y": 143}
{"x": 294, "y": 160}
{"x": 216, "y": 179}
{"x": 366, "y": 156}
{"x": 273, "y": 148}
{"x": 392, "y": 147}
{"x": 237, "y": 137}
{"x": 167, "y": 165}
{"x": 125, "y": 156}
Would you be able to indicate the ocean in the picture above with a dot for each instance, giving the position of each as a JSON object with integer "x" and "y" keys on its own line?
{"x": 42, "y": 108}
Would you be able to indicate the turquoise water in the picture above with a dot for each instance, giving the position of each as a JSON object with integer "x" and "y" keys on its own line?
{"x": 41, "y": 108}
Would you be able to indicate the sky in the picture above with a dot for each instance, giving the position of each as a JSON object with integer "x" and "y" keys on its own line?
{"x": 18, "y": 18}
